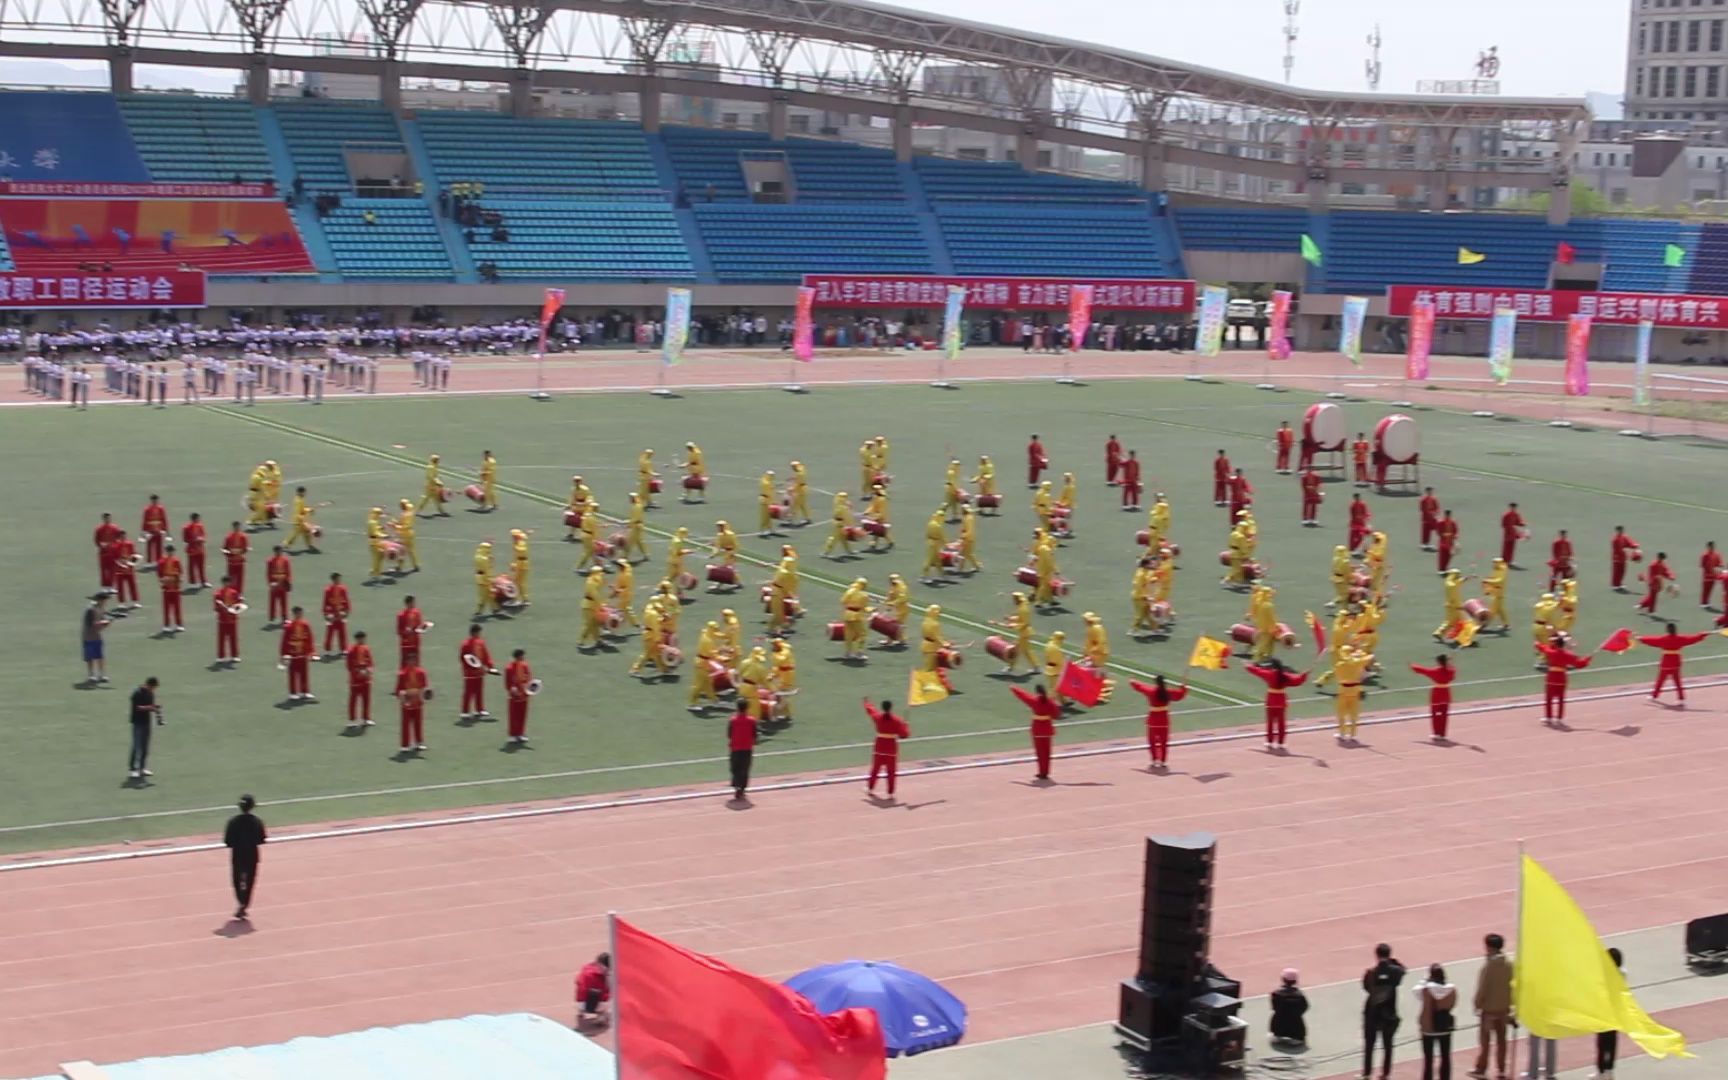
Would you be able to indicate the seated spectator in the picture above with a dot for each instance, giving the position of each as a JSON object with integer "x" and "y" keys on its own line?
{"x": 593, "y": 990}
{"x": 1289, "y": 1004}
{"x": 369, "y": 217}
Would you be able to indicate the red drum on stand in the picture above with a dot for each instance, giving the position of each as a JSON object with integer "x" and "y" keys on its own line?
{"x": 989, "y": 502}
{"x": 1477, "y": 610}
{"x": 1397, "y": 439}
{"x": 949, "y": 658}
{"x": 875, "y": 528}
{"x": 686, "y": 580}
{"x": 1324, "y": 426}
{"x": 886, "y": 625}
{"x": 695, "y": 483}
{"x": 475, "y": 493}
{"x": 610, "y": 618}
{"x": 722, "y": 574}
{"x": 720, "y": 677}
{"x": 836, "y": 631}
{"x": 999, "y": 647}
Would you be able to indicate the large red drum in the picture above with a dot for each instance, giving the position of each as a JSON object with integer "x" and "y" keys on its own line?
{"x": 1397, "y": 439}
{"x": 722, "y": 574}
{"x": 720, "y": 677}
{"x": 695, "y": 483}
{"x": 1324, "y": 425}
{"x": 949, "y": 658}
{"x": 776, "y": 511}
{"x": 503, "y": 589}
{"x": 475, "y": 493}
{"x": 686, "y": 580}
{"x": 989, "y": 502}
{"x": 875, "y": 528}
{"x": 999, "y": 647}
{"x": 573, "y": 519}
{"x": 1477, "y": 610}
{"x": 853, "y": 532}
{"x": 886, "y": 625}
{"x": 836, "y": 631}
{"x": 610, "y": 618}
{"x": 1026, "y": 576}
{"x": 392, "y": 550}
{"x": 951, "y": 557}
{"x": 654, "y": 485}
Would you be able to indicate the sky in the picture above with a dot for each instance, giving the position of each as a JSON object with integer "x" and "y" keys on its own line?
{"x": 1548, "y": 48}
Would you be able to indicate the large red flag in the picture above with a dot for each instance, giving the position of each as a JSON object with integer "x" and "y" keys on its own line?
{"x": 1082, "y": 683}
{"x": 685, "y": 1016}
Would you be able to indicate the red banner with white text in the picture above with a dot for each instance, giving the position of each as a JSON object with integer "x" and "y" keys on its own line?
{"x": 1017, "y": 293}
{"x": 164, "y": 289}
{"x": 1557, "y": 306}
{"x": 80, "y": 189}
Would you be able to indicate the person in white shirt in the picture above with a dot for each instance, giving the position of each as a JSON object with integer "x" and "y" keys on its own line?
{"x": 1435, "y": 1000}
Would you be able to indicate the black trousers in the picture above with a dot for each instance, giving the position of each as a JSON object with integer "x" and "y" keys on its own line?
{"x": 1381, "y": 1028}
{"x": 1437, "y": 1046}
{"x": 139, "y": 758}
{"x": 741, "y": 769}
{"x": 243, "y": 868}
{"x": 1607, "y": 1049}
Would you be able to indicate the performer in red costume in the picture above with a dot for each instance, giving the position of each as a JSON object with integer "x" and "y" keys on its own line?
{"x": 1129, "y": 470}
{"x": 1044, "y": 714}
{"x": 1311, "y": 497}
{"x": 1241, "y": 495}
{"x": 192, "y": 537}
{"x": 279, "y": 573}
{"x": 359, "y": 658}
{"x": 1621, "y": 550}
{"x": 1447, "y": 533}
{"x": 297, "y": 655}
{"x": 1036, "y": 462}
{"x": 411, "y": 688}
{"x": 885, "y": 754}
{"x": 226, "y": 601}
{"x": 106, "y": 533}
{"x": 1429, "y": 508}
{"x": 1359, "y": 517}
{"x": 408, "y": 623}
{"x": 1359, "y": 457}
{"x": 336, "y": 609}
{"x": 169, "y": 576}
{"x": 1710, "y": 565}
{"x": 1159, "y": 697}
{"x": 476, "y": 660}
{"x": 1439, "y": 695}
{"x": 1560, "y": 561}
{"x": 1511, "y": 531}
{"x": 1220, "y": 478}
{"x": 1655, "y": 579}
{"x": 1278, "y": 679}
{"x": 1112, "y": 460}
{"x": 518, "y": 680}
{"x": 1672, "y": 643}
{"x": 154, "y": 528}
{"x": 1560, "y": 662}
{"x": 234, "y": 548}
{"x": 1285, "y": 439}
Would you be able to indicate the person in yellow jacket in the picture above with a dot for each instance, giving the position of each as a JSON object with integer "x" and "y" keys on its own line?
{"x": 898, "y": 601}
{"x": 488, "y": 481}
{"x": 785, "y": 677}
{"x": 1140, "y": 588}
{"x": 1343, "y": 628}
{"x": 1543, "y": 615}
{"x": 305, "y": 530}
{"x": 767, "y": 495}
{"x": 798, "y": 495}
{"x": 877, "y": 510}
{"x": 257, "y": 502}
{"x": 1044, "y": 565}
{"x": 840, "y": 537}
{"x": 1494, "y": 588}
{"x": 676, "y": 549}
{"x": 931, "y": 643}
{"x": 1157, "y": 523}
{"x": 855, "y": 618}
{"x": 624, "y": 590}
{"x": 1065, "y": 500}
{"x": 519, "y": 564}
{"x": 783, "y": 593}
{"x": 593, "y": 598}
{"x": 731, "y": 637}
{"x": 1352, "y": 669}
{"x": 375, "y": 540}
{"x": 404, "y": 526}
{"x": 1163, "y": 579}
{"x": 1453, "y": 583}
{"x": 1237, "y": 546}
{"x": 484, "y": 600}
{"x": 653, "y": 638}
{"x": 645, "y": 477}
{"x": 634, "y": 529}
{"x": 272, "y": 476}
{"x": 935, "y": 539}
{"x": 755, "y": 674}
{"x": 1343, "y": 574}
{"x": 1263, "y": 613}
{"x": 867, "y": 465}
{"x": 724, "y": 547}
{"x": 695, "y": 464}
{"x": 591, "y": 524}
{"x": 984, "y": 481}
{"x": 433, "y": 493}
{"x": 581, "y": 504}
{"x": 969, "y": 562}
{"x": 1019, "y": 620}
{"x": 953, "y": 498}
{"x": 1043, "y": 502}
{"x": 1096, "y": 651}
{"x": 1376, "y": 560}
{"x": 702, "y": 692}
{"x": 1055, "y": 659}
{"x": 1566, "y": 612}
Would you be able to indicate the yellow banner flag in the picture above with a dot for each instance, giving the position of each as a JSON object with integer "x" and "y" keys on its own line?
{"x": 1210, "y": 654}
{"x": 1466, "y": 257}
{"x": 1467, "y": 628}
{"x": 1564, "y": 981}
{"x": 926, "y": 688}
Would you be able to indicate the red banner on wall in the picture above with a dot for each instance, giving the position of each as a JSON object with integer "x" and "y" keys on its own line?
{"x": 72, "y": 189}
{"x": 1557, "y": 306}
{"x": 1050, "y": 294}
{"x": 167, "y": 289}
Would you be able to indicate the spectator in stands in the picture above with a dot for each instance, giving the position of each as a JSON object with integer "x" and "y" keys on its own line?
{"x": 1289, "y": 1004}
{"x": 299, "y": 187}
{"x": 593, "y": 990}
{"x": 370, "y": 217}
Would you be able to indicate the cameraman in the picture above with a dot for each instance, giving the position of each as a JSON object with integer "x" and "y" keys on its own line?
{"x": 145, "y": 712}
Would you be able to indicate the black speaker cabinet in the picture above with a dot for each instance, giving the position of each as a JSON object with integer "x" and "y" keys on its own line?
{"x": 1176, "y": 912}
{"x": 1707, "y": 940}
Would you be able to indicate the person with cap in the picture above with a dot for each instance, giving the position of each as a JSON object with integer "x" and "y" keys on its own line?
{"x": 243, "y": 837}
{"x": 1289, "y": 1005}
{"x": 593, "y": 989}
{"x": 95, "y": 621}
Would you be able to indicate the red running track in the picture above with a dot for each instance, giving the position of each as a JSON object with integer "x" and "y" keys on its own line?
{"x": 1024, "y": 900}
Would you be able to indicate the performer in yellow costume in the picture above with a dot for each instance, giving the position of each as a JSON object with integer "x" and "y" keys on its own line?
{"x": 519, "y": 564}
{"x": 593, "y": 597}
{"x": 1376, "y": 560}
{"x": 952, "y": 496}
{"x": 785, "y": 676}
{"x": 303, "y": 526}
{"x": 272, "y": 474}
{"x": 433, "y": 493}
{"x": 867, "y": 465}
{"x": 1343, "y": 626}
{"x": 842, "y": 522}
{"x": 653, "y": 638}
{"x": 755, "y": 674}
{"x": 1453, "y": 583}
{"x": 1157, "y": 523}
{"x": 1097, "y": 648}
{"x": 1140, "y": 598}
{"x": 725, "y": 546}
{"x": 591, "y": 523}
{"x": 1567, "y": 612}
{"x": 677, "y": 549}
{"x": 882, "y": 457}
{"x": 798, "y": 495}
{"x": 1342, "y": 574}
{"x": 702, "y": 671}
{"x": 1019, "y": 620}
{"x": 935, "y": 539}
{"x": 1366, "y": 637}
{"x": 783, "y": 593}
{"x": 484, "y": 600}
{"x": 969, "y": 541}
{"x": 1237, "y": 546}
{"x": 767, "y": 491}
{"x": 257, "y": 501}
{"x": 624, "y": 590}
{"x": 694, "y": 464}
{"x": 645, "y": 478}
{"x": 1055, "y": 659}
{"x": 984, "y": 483}
{"x": 877, "y": 510}
{"x": 634, "y": 529}
{"x": 488, "y": 481}
{"x": 731, "y": 637}
{"x": 375, "y": 540}
{"x": 898, "y": 601}
{"x": 1043, "y": 501}
{"x": 1543, "y": 616}
{"x": 580, "y": 503}
{"x": 1263, "y": 613}
{"x": 1352, "y": 669}
{"x": 1494, "y": 588}
{"x": 931, "y": 643}
{"x": 404, "y": 526}
{"x": 855, "y": 618}
{"x": 1044, "y": 564}
{"x": 1066, "y": 500}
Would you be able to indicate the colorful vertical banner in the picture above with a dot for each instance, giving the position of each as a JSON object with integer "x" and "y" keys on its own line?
{"x": 1501, "y": 334}
{"x": 1278, "y": 341}
{"x": 1210, "y": 339}
{"x": 549, "y": 308}
{"x": 1421, "y": 339}
{"x": 1578, "y": 356}
{"x": 1350, "y": 328}
{"x": 804, "y": 325}
{"x": 1641, "y": 364}
{"x": 951, "y": 327}
{"x": 1079, "y": 316}
{"x": 677, "y": 331}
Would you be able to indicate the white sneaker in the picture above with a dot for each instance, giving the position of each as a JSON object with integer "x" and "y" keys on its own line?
{"x": 309, "y": 697}
{"x": 146, "y": 772}
{"x": 420, "y": 746}
{"x": 134, "y": 774}
{"x": 366, "y": 723}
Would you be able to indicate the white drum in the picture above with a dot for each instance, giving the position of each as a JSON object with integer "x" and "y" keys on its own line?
{"x": 1324, "y": 426}
{"x": 1397, "y": 438}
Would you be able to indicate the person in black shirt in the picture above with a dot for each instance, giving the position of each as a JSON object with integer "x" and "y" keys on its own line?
{"x": 145, "y": 712}
{"x": 244, "y": 836}
{"x": 1289, "y": 1005}
{"x": 1380, "y": 1009}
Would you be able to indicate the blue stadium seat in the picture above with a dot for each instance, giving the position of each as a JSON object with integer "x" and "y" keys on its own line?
{"x": 588, "y": 159}
{"x": 1710, "y": 261}
{"x": 747, "y": 242}
{"x": 1369, "y": 250}
{"x": 403, "y": 242}
{"x": 823, "y": 171}
{"x": 947, "y": 179}
{"x": 185, "y": 139}
{"x": 577, "y": 240}
{"x": 1055, "y": 240}
{"x": 1213, "y": 228}
{"x": 316, "y": 133}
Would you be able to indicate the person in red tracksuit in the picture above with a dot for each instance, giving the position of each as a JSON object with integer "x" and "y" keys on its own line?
{"x": 1112, "y": 460}
{"x": 1672, "y": 644}
{"x": 168, "y": 575}
{"x": 517, "y": 677}
{"x": 885, "y": 754}
{"x": 1129, "y": 471}
{"x": 124, "y": 555}
{"x": 1559, "y": 662}
{"x": 1560, "y": 564}
{"x": 1710, "y": 565}
{"x": 359, "y": 658}
{"x": 279, "y": 575}
{"x": 741, "y": 747}
{"x": 154, "y": 528}
{"x": 1311, "y": 498}
{"x": 1278, "y": 679}
{"x": 1429, "y": 508}
{"x": 1446, "y": 531}
{"x": 476, "y": 665}
{"x": 1359, "y": 457}
{"x": 1621, "y": 549}
{"x": 234, "y": 548}
{"x": 224, "y": 601}
{"x": 336, "y": 609}
{"x": 1159, "y": 697}
{"x": 1359, "y": 518}
{"x": 1036, "y": 462}
{"x": 1241, "y": 495}
{"x": 1045, "y": 712}
{"x": 1439, "y": 695}
{"x": 1220, "y": 478}
{"x": 106, "y": 533}
{"x": 408, "y": 623}
{"x": 1511, "y": 531}
{"x": 193, "y": 539}
{"x": 1284, "y": 440}
{"x": 297, "y": 645}
{"x": 1655, "y": 579}
{"x": 411, "y": 687}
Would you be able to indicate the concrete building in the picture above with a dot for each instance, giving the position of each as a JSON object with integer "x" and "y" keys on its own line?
{"x": 1677, "y": 61}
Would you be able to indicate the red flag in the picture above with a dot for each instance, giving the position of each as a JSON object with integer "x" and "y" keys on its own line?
{"x": 1319, "y": 631}
{"x": 1081, "y": 683}
{"x": 1619, "y": 641}
{"x": 550, "y": 306}
{"x": 1565, "y": 253}
{"x": 685, "y": 1016}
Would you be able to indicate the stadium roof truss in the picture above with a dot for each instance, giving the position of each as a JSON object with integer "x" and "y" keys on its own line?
{"x": 869, "y": 53}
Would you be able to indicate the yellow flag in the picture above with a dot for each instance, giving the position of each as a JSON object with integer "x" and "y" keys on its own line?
{"x": 926, "y": 688}
{"x": 1467, "y": 628}
{"x": 1466, "y": 257}
{"x": 1209, "y": 653}
{"x": 1564, "y": 981}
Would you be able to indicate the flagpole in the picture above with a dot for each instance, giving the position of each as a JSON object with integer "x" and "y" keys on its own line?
{"x": 1518, "y": 925}
{"x": 617, "y": 996}
{"x": 540, "y": 393}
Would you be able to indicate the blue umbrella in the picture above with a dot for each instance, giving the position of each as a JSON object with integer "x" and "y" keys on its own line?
{"x": 916, "y": 1013}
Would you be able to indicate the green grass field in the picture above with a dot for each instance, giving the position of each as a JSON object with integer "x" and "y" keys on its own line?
{"x": 596, "y": 729}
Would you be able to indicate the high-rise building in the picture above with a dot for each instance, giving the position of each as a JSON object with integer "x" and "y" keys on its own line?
{"x": 1677, "y": 62}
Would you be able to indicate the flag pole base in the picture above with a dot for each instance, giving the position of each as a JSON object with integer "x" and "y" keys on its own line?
{"x": 1632, "y": 432}
{"x": 1559, "y": 423}
{"x": 539, "y": 395}
{"x": 661, "y": 391}
{"x": 1265, "y": 386}
{"x": 794, "y": 388}
{"x": 1067, "y": 380}
{"x": 941, "y": 384}
{"x": 1486, "y": 414}
{"x": 1335, "y": 395}
{"x": 1193, "y": 377}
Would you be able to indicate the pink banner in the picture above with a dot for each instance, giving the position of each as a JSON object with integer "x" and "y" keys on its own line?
{"x": 1421, "y": 340}
{"x": 163, "y": 289}
{"x": 1557, "y": 306}
{"x": 1079, "y": 316}
{"x": 1578, "y": 356}
{"x": 804, "y": 325}
{"x": 58, "y": 189}
{"x": 1278, "y": 340}
{"x": 1015, "y": 293}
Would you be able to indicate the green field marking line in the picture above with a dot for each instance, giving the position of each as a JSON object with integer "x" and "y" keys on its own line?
{"x": 1492, "y": 474}
{"x": 743, "y": 556}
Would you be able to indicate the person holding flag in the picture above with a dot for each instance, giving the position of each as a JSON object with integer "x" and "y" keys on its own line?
{"x": 1278, "y": 680}
{"x": 885, "y": 753}
{"x": 1439, "y": 695}
{"x": 1672, "y": 643}
{"x": 1045, "y": 712}
{"x": 1559, "y": 661}
{"x": 1159, "y": 697}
